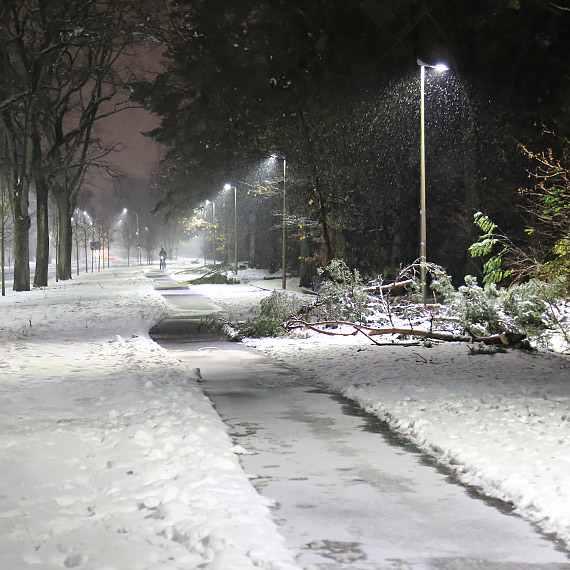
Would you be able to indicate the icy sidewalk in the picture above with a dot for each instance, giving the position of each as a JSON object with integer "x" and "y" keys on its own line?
{"x": 501, "y": 422}
{"x": 347, "y": 498}
{"x": 111, "y": 457}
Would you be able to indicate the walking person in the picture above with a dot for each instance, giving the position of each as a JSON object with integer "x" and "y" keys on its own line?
{"x": 162, "y": 257}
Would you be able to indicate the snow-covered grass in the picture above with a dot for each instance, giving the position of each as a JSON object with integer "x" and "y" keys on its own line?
{"x": 500, "y": 421}
{"x": 111, "y": 456}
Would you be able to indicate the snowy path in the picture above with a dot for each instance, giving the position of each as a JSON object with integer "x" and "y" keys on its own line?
{"x": 345, "y": 498}
{"x": 111, "y": 457}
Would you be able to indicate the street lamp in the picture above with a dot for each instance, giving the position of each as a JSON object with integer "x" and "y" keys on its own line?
{"x": 283, "y": 227}
{"x": 423, "y": 220}
{"x": 139, "y": 249}
{"x": 230, "y": 187}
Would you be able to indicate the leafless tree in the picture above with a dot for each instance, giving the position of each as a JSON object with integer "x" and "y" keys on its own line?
{"x": 63, "y": 64}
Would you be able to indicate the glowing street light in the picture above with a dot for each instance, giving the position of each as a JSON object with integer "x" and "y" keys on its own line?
{"x": 440, "y": 67}
{"x": 137, "y": 233}
{"x": 230, "y": 187}
{"x": 283, "y": 227}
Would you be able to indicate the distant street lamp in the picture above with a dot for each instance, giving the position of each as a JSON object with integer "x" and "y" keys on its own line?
{"x": 423, "y": 219}
{"x": 230, "y": 187}
{"x": 139, "y": 249}
{"x": 284, "y": 226}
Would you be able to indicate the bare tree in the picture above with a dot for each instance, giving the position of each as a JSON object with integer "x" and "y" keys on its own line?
{"x": 86, "y": 89}
{"x": 25, "y": 54}
{"x": 82, "y": 230}
{"x": 60, "y": 65}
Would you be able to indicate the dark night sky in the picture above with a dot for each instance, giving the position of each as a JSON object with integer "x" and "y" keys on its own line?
{"x": 139, "y": 154}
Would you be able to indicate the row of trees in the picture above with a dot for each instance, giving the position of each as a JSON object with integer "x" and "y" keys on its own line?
{"x": 334, "y": 88}
{"x": 63, "y": 67}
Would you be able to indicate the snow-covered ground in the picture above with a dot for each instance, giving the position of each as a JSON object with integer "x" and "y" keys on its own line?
{"x": 111, "y": 456}
{"x": 113, "y": 459}
{"x": 501, "y": 421}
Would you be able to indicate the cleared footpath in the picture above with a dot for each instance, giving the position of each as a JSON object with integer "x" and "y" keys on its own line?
{"x": 346, "y": 494}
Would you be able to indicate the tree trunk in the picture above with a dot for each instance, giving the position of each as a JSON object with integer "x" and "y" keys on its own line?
{"x": 65, "y": 236}
{"x": 252, "y": 248}
{"x": 306, "y": 269}
{"x": 252, "y": 240}
{"x": 42, "y": 235}
{"x": 85, "y": 242}
{"x": 19, "y": 169}
{"x": 42, "y": 225}
{"x": 3, "y": 239}
{"x": 22, "y": 223}
{"x": 323, "y": 218}
{"x": 326, "y": 234}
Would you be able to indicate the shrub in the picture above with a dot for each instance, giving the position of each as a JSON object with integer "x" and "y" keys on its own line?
{"x": 274, "y": 311}
{"x": 477, "y": 307}
{"x": 342, "y": 295}
{"x": 520, "y": 308}
{"x": 527, "y": 305}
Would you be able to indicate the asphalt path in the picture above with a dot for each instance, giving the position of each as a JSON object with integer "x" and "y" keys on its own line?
{"x": 347, "y": 495}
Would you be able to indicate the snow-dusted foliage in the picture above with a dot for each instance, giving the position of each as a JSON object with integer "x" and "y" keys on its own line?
{"x": 534, "y": 309}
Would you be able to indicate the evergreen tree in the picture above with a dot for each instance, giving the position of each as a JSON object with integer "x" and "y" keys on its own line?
{"x": 334, "y": 87}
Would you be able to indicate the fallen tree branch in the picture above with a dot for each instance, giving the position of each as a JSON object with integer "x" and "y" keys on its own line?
{"x": 389, "y": 286}
{"x": 507, "y": 338}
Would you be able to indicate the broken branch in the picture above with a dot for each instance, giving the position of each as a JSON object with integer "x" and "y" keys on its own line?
{"x": 507, "y": 338}
{"x": 389, "y": 286}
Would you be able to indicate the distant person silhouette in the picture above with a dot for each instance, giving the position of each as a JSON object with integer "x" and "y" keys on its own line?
{"x": 162, "y": 257}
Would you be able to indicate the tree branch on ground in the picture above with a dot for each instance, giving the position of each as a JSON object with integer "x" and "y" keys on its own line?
{"x": 506, "y": 338}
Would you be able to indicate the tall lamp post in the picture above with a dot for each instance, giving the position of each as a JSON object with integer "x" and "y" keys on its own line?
{"x": 423, "y": 219}
{"x": 283, "y": 227}
{"x": 127, "y": 238}
{"x": 230, "y": 187}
